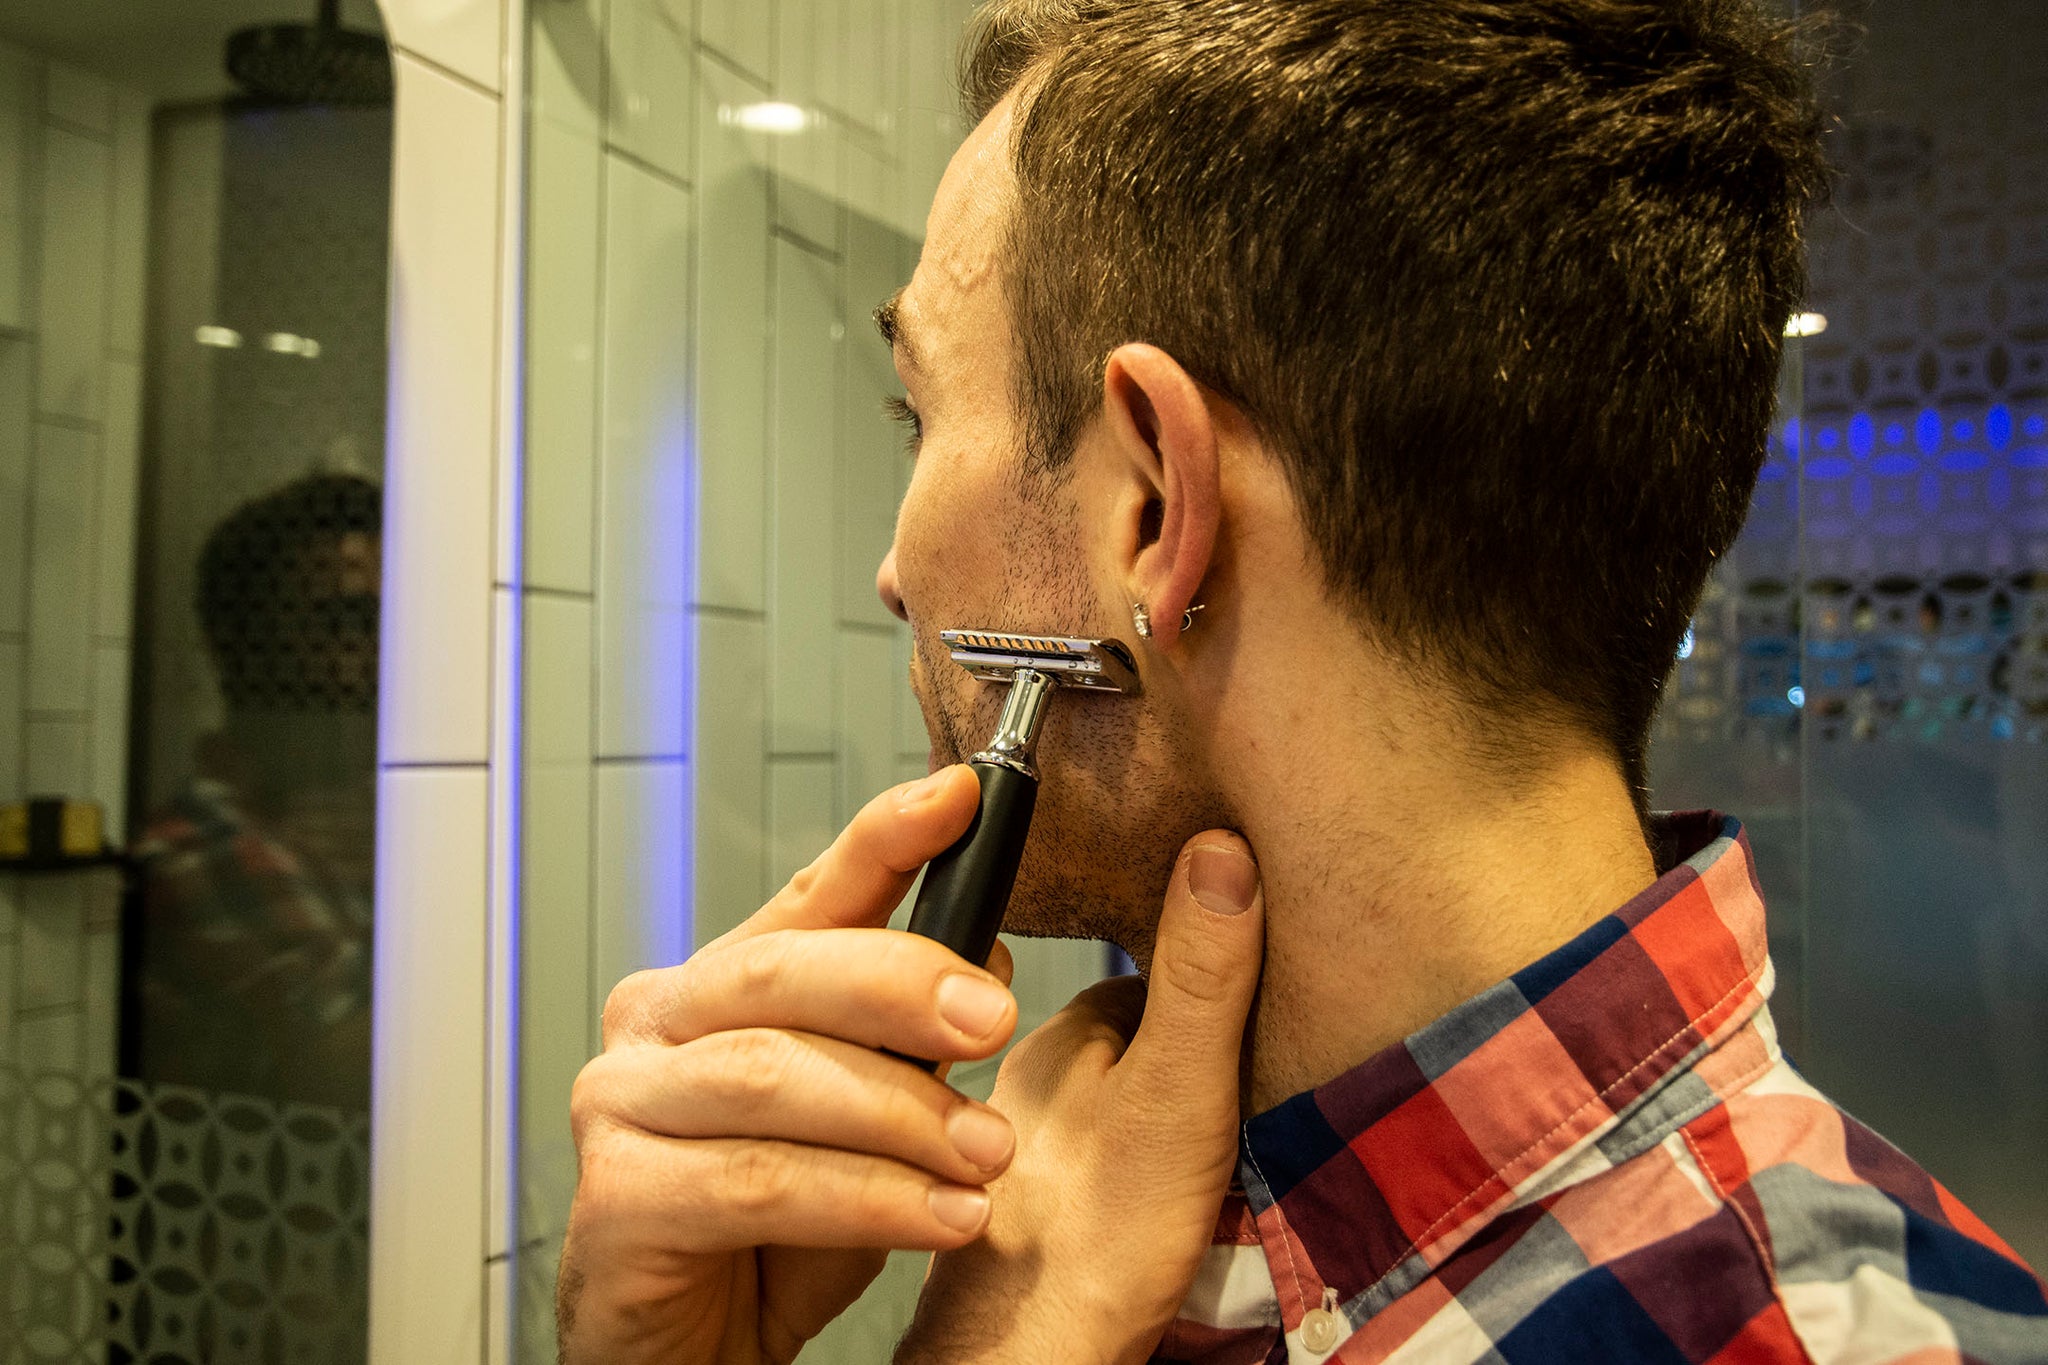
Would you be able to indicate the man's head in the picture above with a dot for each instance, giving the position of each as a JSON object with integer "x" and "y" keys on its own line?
{"x": 288, "y": 598}
{"x": 1492, "y": 288}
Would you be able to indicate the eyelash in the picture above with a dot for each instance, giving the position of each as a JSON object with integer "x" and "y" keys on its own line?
{"x": 899, "y": 410}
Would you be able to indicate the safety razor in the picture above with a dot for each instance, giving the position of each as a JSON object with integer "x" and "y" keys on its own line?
{"x": 967, "y": 888}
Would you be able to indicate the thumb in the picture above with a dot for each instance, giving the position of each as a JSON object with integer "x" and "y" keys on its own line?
{"x": 1205, "y": 970}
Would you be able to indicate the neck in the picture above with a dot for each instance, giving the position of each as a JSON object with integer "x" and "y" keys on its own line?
{"x": 1405, "y": 879}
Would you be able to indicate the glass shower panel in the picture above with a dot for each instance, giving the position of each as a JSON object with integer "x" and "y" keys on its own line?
{"x": 1882, "y": 718}
{"x": 193, "y": 274}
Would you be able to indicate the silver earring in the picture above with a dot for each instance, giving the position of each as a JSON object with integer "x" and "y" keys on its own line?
{"x": 1141, "y": 619}
{"x": 1187, "y": 618}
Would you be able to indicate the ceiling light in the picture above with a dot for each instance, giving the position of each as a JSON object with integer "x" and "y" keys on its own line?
{"x": 773, "y": 116}
{"x": 227, "y": 338}
{"x": 1806, "y": 325}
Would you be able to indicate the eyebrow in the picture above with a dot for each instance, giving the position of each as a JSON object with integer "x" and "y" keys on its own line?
{"x": 890, "y": 323}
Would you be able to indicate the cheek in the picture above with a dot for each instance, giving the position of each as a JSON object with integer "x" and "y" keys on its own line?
{"x": 952, "y": 545}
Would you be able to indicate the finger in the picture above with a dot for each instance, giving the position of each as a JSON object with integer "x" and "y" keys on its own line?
{"x": 800, "y": 1087}
{"x": 861, "y": 878}
{"x": 723, "y": 1195}
{"x": 875, "y": 987}
{"x": 1205, "y": 970}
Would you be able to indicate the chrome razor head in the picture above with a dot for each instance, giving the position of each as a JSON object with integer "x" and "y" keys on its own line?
{"x": 995, "y": 656}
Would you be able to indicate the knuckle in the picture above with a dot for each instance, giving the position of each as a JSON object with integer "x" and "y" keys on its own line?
{"x": 755, "y": 1178}
{"x": 754, "y": 1071}
{"x": 1206, "y": 977}
{"x": 762, "y": 968}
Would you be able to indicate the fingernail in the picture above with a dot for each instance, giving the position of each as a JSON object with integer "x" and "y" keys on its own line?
{"x": 1222, "y": 879}
{"x": 983, "y": 1137}
{"x": 959, "y": 1208}
{"x": 924, "y": 789}
{"x": 972, "y": 1004}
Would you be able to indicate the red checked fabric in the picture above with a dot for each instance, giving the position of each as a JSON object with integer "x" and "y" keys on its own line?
{"x": 1605, "y": 1157}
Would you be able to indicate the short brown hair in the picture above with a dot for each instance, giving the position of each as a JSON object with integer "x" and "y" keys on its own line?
{"x": 1502, "y": 282}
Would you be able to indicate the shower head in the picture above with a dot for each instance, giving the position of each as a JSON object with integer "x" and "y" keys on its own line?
{"x": 317, "y": 63}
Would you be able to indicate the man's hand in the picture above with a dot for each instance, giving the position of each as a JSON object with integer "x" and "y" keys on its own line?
{"x": 1126, "y": 1105}
{"x": 747, "y": 1153}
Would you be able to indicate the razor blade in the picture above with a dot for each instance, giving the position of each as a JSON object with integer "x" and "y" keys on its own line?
{"x": 996, "y": 656}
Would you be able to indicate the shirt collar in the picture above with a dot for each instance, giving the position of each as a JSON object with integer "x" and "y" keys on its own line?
{"x": 1362, "y": 1185}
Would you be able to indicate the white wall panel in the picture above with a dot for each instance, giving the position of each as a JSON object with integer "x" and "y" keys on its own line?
{"x": 731, "y": 800}
{"x": 129, "y": 230}
{"x": 641, "y": 905}
{"x": 18, "y": 123}
{"x": 60, "y": 568}
{"x": 558, "y": 669}
{"x": 52, "y": 941}
{"x": 72, "y": 298}
{"x": 429, "y": 1049}
{"x": 732, "y": 375}
{"x": 867, "y": 747}
{"x": 800, "y": 824}
{"x": 559, "y": 1008}
{"x": 463, "y": 35}
{"x": 115, "y": 529}
{"x": 653, "y": 92}
{"x": 17, "y": 444}
{"x": 563, "y": 230}
{"x": 645, "y": 482}
{"x": 56, "y": 763}
{"x": 11, "y": 733}
{"x": 78, "y": 98}
{"x": 437, "y": 533}
{"x": 108, "y": 754}
{"x": 805, "y": 443}
{"x": 743, "y": 33}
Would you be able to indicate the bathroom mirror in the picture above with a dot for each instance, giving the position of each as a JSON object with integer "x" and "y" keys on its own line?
{"x": 194, "y": 204}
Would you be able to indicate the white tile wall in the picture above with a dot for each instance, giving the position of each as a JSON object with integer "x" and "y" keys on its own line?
{"x": 130, "y": 223}
{"x": 438, "y": 482}
{"x": 731, "y": 877}
{"x": 107, "y": 743}
{"x": 17, "y": 427}
{"x": 72, "y": 317}
{"x": 115, "y": 529}
{"x": 646, "y": 517}
{"x": 800, "y": 823}
{"x": 558, "y": 1000}
{"x": 558, "y": 680}
{"x": 640, "y": 905}
{"x": 427, "y": 1252}
{"x": 804, "y": 425}
{"x": 733, "y": 296}
{"x": 653, "y": 94}
{"x": 78, "y": 98}
{"x": 57, "y": 764}
{"x": 561, "y": 388}
{"x": 52, "y": 940}
{"x": 11, "y": 736}
{"x": 465, "y": 36}
{"x": 742, "y": 34}
{"x": 60, "y": 566}
{"x": 19, "y": 77}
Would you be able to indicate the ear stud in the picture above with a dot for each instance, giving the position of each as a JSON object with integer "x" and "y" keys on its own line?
{"x": 1141, "y": 620}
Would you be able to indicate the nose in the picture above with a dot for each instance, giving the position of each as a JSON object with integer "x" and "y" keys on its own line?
{"x": 885, "y": 584}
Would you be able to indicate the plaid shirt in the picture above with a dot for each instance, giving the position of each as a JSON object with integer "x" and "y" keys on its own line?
{"x": 1605, "y": 1157}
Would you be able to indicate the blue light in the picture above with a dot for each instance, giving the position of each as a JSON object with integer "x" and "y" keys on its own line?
{"x": 1796, "y": 695}
{"x": 1792, "y": 437}
{"x": 1895, "y": 433}
{"x": 1927, "y": 432}
{"x": 2037, "y": 426}
{"x": 1685, "y": 646}
{"x": 1828, "y": 439}
{"x": 1860, "y": 440}
{"x": 1965, "y": 431}
{"x": 1998, "y": 427}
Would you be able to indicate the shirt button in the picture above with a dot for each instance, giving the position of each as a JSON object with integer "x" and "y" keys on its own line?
{"x": 1319, "y": 1330}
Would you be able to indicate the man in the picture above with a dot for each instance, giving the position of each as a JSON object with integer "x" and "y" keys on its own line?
{"x": 1388, "y": 375}
{"x": 256, "y": 875}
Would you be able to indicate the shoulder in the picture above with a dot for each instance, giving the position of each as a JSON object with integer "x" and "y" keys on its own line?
{"x": 1869, "y": 1256}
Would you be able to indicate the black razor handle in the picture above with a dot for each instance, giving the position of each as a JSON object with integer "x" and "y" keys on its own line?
{"x": 967, "y": 888}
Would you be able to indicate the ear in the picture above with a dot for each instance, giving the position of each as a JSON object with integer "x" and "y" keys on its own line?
{"x": 1159, "y": 423}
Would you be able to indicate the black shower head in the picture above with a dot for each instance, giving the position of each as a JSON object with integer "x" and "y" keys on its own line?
{"x": 317, "y": 63}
